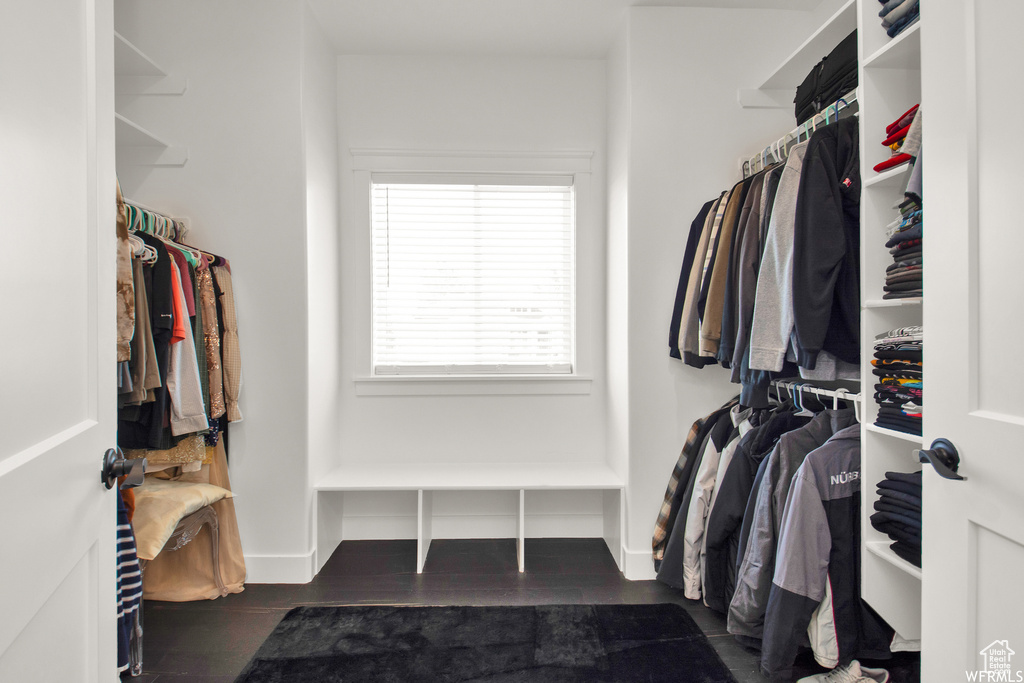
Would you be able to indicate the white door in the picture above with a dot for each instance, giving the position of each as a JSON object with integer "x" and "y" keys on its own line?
{"x": 972, "y": 97}
{"x": 57, "y": 355}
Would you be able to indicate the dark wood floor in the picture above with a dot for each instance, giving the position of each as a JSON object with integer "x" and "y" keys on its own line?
{"x": 211, "y": 641}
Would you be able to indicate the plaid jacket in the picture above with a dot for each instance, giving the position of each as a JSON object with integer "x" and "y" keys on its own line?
{"x": 663, "y": 526}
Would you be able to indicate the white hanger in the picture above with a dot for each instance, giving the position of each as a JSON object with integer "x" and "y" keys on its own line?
{"x": 854, "y": 399}
{"x": 803, "y": 412}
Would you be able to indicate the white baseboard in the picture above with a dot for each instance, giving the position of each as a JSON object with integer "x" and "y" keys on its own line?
{"x": 639, "y": 565}
{"x": 279, "y": 568}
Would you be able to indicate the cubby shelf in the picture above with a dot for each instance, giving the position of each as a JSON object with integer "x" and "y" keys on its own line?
{"x": 882, "y": 550}
{"x": 427, "y": 479}
{"x": 889, "y": 178}
{"x": 912, "y": 438}
{"x": 902, "y": 52}
{"x": 893, "y": 303}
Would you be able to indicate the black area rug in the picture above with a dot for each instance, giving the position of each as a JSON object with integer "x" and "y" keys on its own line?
{"x": 543, "y": 644}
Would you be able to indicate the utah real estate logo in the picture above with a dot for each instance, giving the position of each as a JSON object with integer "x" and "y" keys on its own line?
{"x": 998, "y": 660}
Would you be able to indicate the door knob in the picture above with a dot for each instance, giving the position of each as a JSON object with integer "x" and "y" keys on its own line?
{"x": 115, "y": 465}
{"x": 943, "y": 457}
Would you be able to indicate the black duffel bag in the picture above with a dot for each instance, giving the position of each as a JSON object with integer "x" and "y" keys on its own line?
{"x": 830, "y": 79}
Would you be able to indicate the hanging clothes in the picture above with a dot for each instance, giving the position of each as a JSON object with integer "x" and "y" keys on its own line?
{"x": 826, "y": 247}
{"x": 129, "y": 587}
{"x": 231, "y": 355}
{"x": 714, "y": 438}
{"x": 753, "y": 583}
{"x": 722, "y": 539}
{"x": 769, "y": 283}
{"x": 125, "y": 284}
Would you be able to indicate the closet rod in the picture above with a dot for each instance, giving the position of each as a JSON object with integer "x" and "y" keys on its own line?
{"x": 841, "y": 394}
{"x": 777, "y": 150}
{"x": 181, "y": 225}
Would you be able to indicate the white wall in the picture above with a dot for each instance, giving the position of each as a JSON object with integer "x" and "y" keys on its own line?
{"x": 320, "y": 147}
{"x": 243, "y": 189}
{"x": 481, "y": 105}
{"x": 617, "y": 263}
{"x": 686, "y": 133}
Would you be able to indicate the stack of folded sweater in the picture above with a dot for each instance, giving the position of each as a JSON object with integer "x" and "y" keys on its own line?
{"x": 905, "y": 277}
{"x": 899, "y": 391}
{"x": 898, "y": 514}
{"x": 895, "y": 134}
{"x": 899, "y": 15}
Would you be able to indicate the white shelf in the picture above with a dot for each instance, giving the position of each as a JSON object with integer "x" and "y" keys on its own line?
{"x": 892, "y": 176}
{"x": 912, "y": 438}
{"x": 130, "y": 134}
{"x": 137, "y": 74}
{"x": 131, "y": 61}
{"x": 902, "y": 52}
{"x": 470, "y": 476}
{"x": 139, "y": 147}
{"x": 892, "y": 303}
{"x": 882, "y": 550}
{"x": 776, "y": 91}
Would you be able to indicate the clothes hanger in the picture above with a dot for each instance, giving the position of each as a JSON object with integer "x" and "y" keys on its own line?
{"x": 803, "y": 412}
{"x": 849, "y": 399}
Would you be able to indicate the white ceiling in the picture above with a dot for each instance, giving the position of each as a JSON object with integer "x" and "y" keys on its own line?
{"x": 564, "y": 28}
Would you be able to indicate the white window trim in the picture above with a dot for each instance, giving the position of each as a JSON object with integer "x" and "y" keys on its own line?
{"x": 368, "y": 162}
{"x": 473, "y": 385}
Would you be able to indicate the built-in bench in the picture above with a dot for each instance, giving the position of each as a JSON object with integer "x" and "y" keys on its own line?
{"x": 426, "y": 479}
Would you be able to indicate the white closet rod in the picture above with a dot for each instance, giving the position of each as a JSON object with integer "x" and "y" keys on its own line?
{"x": 140, "y": 205}
{"x": 182, "y": 224}
{"x": 841, "y": 394}
{"x": 776, "y": 151}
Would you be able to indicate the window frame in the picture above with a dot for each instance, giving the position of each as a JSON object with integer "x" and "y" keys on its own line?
{"x": 481, "y": 180}
{"x": 370, "y": 163}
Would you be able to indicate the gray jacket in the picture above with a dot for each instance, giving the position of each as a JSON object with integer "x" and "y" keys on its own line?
{"x": 754, "y": 580}
{"x": 773, "y": 308}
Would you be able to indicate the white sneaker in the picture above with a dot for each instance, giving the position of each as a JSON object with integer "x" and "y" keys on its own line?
{"x": 851, "y": 673}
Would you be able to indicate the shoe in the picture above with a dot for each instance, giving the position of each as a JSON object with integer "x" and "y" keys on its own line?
{"x": 851, "y": 673}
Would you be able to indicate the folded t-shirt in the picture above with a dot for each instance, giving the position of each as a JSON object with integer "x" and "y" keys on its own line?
{"x": 904, "y": 120}
{"x": 892, "y": 162}
{"x": 897, "y": 136}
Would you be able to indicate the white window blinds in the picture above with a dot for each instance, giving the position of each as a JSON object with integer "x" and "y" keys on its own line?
{"x": 473, "y": 277}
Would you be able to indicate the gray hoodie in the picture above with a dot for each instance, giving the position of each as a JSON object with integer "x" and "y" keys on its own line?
{"x": 757, "y": 569}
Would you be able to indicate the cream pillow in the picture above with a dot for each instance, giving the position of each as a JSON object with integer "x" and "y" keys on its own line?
{"x": 161, "y": 504}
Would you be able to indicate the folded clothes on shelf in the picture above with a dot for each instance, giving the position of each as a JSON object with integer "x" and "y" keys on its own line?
{"x": 898, "y": 513}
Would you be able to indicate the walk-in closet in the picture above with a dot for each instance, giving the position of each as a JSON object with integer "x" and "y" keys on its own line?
{"x": 533, "y": 340}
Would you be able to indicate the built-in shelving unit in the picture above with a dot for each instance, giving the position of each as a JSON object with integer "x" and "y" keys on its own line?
{"x": 776, "y": 90}
{"x": 890, "y": 83}
{"x": 497, "y": 479}
{"x": 136, "y": 75}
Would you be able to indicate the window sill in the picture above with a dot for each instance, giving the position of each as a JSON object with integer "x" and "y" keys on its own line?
{"x": 483, "y": 385}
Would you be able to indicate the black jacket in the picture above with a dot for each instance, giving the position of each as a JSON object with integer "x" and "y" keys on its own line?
{"x": 826, "y": 247}
{"x": 691, "y": 248}
{"x": 722, "y": 538}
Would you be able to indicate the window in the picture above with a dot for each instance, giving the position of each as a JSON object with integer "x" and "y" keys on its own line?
{"x": 473, "y": 276}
